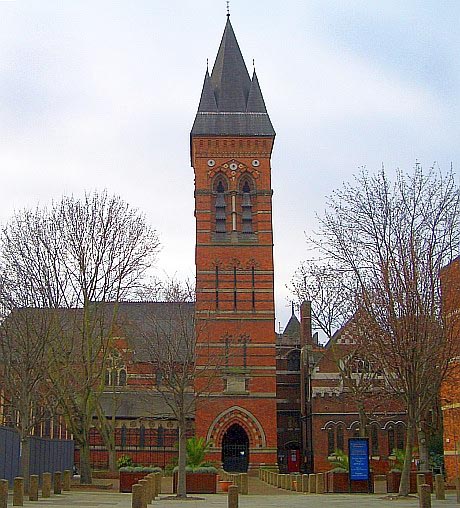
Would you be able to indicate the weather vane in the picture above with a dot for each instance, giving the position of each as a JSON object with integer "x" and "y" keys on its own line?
{"x": 228, "y": 8}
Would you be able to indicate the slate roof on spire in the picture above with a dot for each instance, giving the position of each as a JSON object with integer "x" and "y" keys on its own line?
{"x": 208, "y": 99}
{"x": 231, "y": 103}
{"x": 256, "y": 102}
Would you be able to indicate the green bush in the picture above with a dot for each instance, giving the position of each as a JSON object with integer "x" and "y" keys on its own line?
{"x": 339, "y": 460}
{"x": 141, "y": 469}
{"x": 124, "y": 461}
{"x": 197, "y": 447}
{"x": 199, "y": 469}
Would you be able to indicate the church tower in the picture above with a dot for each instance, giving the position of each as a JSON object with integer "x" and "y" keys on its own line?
{"x": 231, "y": 145}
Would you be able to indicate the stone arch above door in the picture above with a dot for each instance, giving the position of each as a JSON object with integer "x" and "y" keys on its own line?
{"x": 242, "y": 417}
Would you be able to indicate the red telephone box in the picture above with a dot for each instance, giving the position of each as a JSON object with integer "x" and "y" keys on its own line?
{"x": 293, "y": 462}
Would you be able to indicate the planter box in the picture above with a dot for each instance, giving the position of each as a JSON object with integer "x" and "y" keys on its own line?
{"x": 198, "y": 483}
{"x": 128, "y": 479}
{"x": 394, "y": 478}
{"x": 338, "y": 483}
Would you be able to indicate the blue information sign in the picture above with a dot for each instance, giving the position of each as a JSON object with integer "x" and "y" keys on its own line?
{"x": 358, "y": 454}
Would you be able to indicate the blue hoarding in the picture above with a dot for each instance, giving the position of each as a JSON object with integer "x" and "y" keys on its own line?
{"x": 358, "y": 454}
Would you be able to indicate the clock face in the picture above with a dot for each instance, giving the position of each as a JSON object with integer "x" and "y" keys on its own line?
{"x": 211, "y": 163}
{"x": 255, "y": 163}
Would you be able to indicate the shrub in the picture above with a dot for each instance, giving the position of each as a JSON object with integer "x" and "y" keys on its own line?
{"x": 124, "y": 461}
{"x": 340, "y": 460}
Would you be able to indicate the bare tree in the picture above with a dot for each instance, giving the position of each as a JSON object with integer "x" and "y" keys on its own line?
{"x": 78, "y": 255}
{"x": 170, "y": 344}
{"x": 394, "y": 238}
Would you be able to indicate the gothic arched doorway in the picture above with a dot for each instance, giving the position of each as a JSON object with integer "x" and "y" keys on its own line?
{"x": 235, "y": 449}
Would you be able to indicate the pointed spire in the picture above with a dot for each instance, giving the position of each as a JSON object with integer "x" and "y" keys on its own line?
{"x": 208, "y": 100}
{"x": 256, "y": 102}
{"x": 230, "y": 76}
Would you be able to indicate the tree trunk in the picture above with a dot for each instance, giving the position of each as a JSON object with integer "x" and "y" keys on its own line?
{"x": 86, "y": 476}
{"x": 181, "y": 480}
{"x": 404, "y": 485}
{"x": 25, "y": 462}
{"x": 424, "y": 464}
{"x": 112, "y": 458}
{"x": 362, "y": 420}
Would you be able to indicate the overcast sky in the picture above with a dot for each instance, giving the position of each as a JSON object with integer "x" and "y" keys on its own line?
{"x": 102, "y": 95}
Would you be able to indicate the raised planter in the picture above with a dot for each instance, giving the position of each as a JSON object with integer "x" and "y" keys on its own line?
{"x": 198, "y": 483}
{"x": 130, "y": 478}
{"x": 338, "y": 483}
{"x": 394, "y": 478}
{"x": 224, "y": 485}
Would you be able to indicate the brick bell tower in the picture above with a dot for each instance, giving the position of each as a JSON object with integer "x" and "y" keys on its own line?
{"x": 231, "y": 145}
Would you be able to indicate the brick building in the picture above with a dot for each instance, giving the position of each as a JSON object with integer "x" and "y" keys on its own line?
{"x": 450, "y": 391}
{"x": 231, "y": 145}
{"x": 313, "y": 424}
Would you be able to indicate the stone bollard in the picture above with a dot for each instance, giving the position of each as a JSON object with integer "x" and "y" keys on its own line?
{"x": 439, "y": 487}
{"x": 288, "y": 482}
{"x": 158, "y": 481}
{"x": 236, "y": 478}
{"x": 3, "y": 493}
{"x": 67, "y": 480}
{"x": 312, "y": 483}
{"x": 279, "y": 478}
{"x": 424, "y": 500}
{"x": 304, "y": 483}
{"x": 33, "y": 487}
{"x": 457, "y": 489}
{"x": 151, "y": 480}
{"x": 380, "y": 484}
{"x": 244, "y": 483}
{"x": 138, "y": 496}
{"x": 233, "y": 496}
{"x": 57, "y": 482}
{"x": 145, "y": 485}
{"x": 46, "y": 485}
{"x": 320, "y": 483}
{"x": 18, "y": 491}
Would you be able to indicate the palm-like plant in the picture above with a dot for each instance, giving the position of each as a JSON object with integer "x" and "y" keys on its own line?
{"x": 197, "y": 447}
{"x": 339, "y": 460}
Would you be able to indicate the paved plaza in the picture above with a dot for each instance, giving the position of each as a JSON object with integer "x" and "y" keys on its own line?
{"x": 263, "y": 496}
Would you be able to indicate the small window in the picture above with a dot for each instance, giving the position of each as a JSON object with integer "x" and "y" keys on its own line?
{"x": 124, "y": 432}
{"x": 293, "y": 361}
{"x": 220, "y": 210}
{"x": 246, "y": 208}
{"x": 142, "y": 436}
{"x": 391, "y": 440}
{"x": 400, "y": 436}
{"x": 122, "y": 377}
{"x": 160, "y": 436}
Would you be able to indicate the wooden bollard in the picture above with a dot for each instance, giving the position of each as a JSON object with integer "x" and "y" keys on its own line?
{"x": 457, "y": 489}
{"x": 320, "y": 483}
{"x": 151, "y": 480}
{"x": 424, "y": 500}
{"x": 288, "y": 482}
{"x": 380, "y": 484}
{"x": 439, "y": 487}
{"x": 18, "y": 491}
{"x": 138, "y": 496}
{"x": 312, "y": 483}
{"x": 46, "y": 485}
{"x": 233, "y": 496}
{"x": 57, "y": 482}
{"x": 66, "y": 484}
{"x": 33, "y": 487}
{"x": 244, "y": 484}
{"x": 3, "y": 493}
{"x": 299, "y": 483}
{"x": 158, "y": 480}
{"x": 304, "y": 483}
{"x": 420, "y": 480}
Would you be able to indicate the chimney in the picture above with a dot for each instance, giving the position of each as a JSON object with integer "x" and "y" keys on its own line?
{"x": 305, "y": 323}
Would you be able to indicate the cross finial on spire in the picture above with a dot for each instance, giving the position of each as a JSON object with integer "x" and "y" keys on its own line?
{"x": 292, "y": 307}
{"x": 207, "y": 64}
{"x": 228, "y": 8}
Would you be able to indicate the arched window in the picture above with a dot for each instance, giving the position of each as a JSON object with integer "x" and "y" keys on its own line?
{"x": 293, "y": 361}
{"x": 220, "y": 208}
{"x": 160, "y": 436}
{"x": 375, "y": 440}
{"x": 124, "y": 431}
{"x": 340, "y": 438}
{"x": 391, "y": 440}
{"x": 114, "y": 377}
{"x": 400, "y": 436}
{"x": 246, "y": 208}
{"x": 142, "y": 436}
{"x": 122, "y": 377}
{"x": 330, "y": 441}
